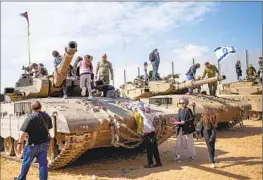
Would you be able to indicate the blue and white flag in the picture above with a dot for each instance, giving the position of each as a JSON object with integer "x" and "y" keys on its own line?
{"x": 223, "y": 52}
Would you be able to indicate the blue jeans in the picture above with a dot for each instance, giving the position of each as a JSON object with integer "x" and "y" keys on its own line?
{"x": 30, "y": 152}
{"x": 190, "y": 90}
{"x": 155, "y": 65}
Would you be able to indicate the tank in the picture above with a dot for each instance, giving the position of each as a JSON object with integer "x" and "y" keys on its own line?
{"x": 79, "y": 124}
{"x": 245, "y": 91}
{"x": 166, "y": 94}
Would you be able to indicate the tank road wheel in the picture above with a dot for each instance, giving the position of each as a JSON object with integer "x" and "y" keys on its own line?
{"x": 19, "y": 155}
{"x": 52, "y": 151}
{"x": 1, "y": 144}
{"x": 9, "y": 146}
{"x": 254, "y": 115}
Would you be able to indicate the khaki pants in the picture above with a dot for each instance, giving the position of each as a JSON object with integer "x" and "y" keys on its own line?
{"x": 105, "y": 78}
{"x": 212, "y": 88}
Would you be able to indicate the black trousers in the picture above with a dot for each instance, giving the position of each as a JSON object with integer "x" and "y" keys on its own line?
{"x": 150, "y": 142}
{"x": 211, "y": 149}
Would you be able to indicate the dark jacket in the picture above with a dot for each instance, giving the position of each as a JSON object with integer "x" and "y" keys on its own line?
{"x": 209, "y": 134}
{"x": 238, "y": 69}
{"x": 189, "y": 121}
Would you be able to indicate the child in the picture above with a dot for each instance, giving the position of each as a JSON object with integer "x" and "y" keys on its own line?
{"x": 85, "y": 71}
{"x": 208, "y": 131}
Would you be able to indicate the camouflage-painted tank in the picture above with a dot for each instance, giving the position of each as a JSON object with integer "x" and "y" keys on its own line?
{"x": 79, "y": 124}
{"x": 166, "y": 93}
{"x": 245, "y": 91}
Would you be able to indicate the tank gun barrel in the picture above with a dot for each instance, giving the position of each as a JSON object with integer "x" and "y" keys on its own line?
{"x": 189, "y": 84}
{"x": 60, "y": 73}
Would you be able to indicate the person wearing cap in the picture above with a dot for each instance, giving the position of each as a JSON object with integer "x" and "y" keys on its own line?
{"x": 211, "y": 71}
{"x": 251, "y": 72}
{"x": 36, "y": 126}
{"x": 238, "y": 69}
{"x": 154, "y": 58}
{"x": 85, "y": 71}
{"x": 104, "y": 69}
{"x": 190, "y": 75}
{"x": 150, "y": 139}
{"x": 57, "y": 61}
{"x": 184, "y": 141}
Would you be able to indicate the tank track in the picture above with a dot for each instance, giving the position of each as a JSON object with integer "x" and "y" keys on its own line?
{"x": 74, "y": 147}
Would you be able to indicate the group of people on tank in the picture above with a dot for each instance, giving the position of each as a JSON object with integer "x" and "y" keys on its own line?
{"x": 251, "y": 73}
{"x": 82, "y": 69}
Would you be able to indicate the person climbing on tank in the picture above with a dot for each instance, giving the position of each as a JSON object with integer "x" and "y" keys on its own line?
{"x": 42, "y": 69}
{"x": 104, "y": 69}
{"x": 251, "y": 73}
{"x": 57, "y": 61}
{"x": 190, "y": 75}
{"x": 150, "y": 140}
{"x": 154, "y": 58}
{"x": 85, "y": 71}
{"x": 238, "y": 70}
{"x": 208, "y": 132}
{"x": 211, "y": 71}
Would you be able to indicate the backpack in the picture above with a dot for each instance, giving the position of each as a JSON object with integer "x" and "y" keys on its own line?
{"x": 151, "y": 56}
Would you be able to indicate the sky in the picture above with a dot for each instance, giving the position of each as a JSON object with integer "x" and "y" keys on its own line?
{"x": 128, "y": 31}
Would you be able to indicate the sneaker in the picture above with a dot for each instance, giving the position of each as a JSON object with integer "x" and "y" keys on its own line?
{"x": 83, "y": 91}
{"x": 90, "y": 97}
{"x": 149, "y": 166}
{"x": 65, "y": 96}
{"x": 213, "y": 165}
{"x": 158, "y": 165}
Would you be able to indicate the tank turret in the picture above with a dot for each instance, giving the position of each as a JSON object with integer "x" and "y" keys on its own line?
{"x": 155, "y": 88}
{"x": 245, "y": 91}
{"x": 29, "y": 87}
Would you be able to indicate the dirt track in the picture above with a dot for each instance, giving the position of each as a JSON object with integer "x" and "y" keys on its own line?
{"x": 239, "y": 156}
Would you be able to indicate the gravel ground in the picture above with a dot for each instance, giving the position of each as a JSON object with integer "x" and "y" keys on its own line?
{"x": 239, "y": 156}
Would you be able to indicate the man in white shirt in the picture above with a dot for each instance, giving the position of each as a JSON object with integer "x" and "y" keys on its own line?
{"x": 150, "y": 139}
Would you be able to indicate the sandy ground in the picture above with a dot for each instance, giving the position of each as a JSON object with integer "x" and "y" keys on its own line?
{"x": 239, "y": 156}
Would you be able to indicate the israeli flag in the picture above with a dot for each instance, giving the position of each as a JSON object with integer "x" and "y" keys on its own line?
{"x": 223, "y": 52}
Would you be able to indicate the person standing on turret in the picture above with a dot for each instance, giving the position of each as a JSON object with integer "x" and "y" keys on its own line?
{"x": 154, "y": 57}
{"x": 260, "y": 69}
{"x": 251, "y": 72}
{"x": 190, "y": 75}
{"x": 58, "y": 59}
{"x": 211, "y": 71}
{"x": 104, "y": 68}
{"x": 238, "y": 70}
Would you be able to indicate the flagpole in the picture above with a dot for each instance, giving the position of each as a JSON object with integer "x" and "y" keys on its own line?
{"x": 29, "y": 60}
